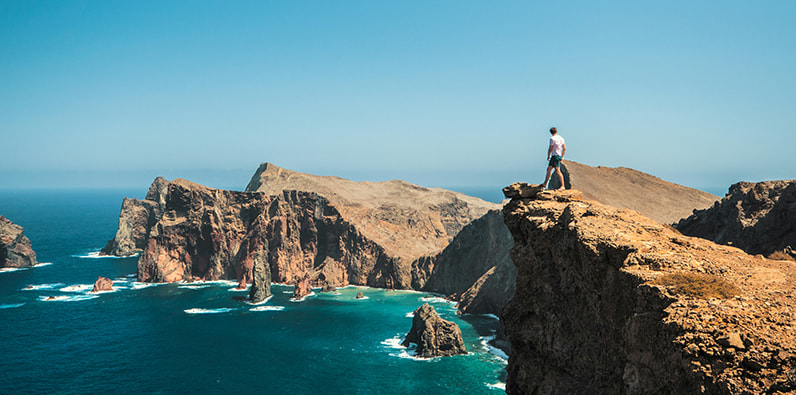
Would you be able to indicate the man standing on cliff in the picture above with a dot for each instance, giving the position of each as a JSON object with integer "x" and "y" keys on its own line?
{"x": 555, "y": 152}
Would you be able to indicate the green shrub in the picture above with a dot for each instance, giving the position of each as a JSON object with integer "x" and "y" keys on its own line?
{"x": 703, "y": 286}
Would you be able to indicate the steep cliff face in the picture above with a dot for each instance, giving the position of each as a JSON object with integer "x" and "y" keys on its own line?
{"x": 210, "y": 234}
{"x": 136, "y": 218}
{"x": 15, "y": 247}
{"x": 474, "y": 268}
{"x": 589, "y": 315}
{"x": 759, "y": 218}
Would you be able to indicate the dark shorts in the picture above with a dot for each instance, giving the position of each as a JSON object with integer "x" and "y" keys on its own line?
{"x": 555, "y": 161}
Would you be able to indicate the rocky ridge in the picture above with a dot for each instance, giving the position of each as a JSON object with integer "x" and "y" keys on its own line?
{"x": 759, "y": 218}
{"x": 15, "y": 248}
{"x": 589, "y": 315}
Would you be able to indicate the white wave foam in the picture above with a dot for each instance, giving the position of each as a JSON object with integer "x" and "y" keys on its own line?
{"x": 436, "y": 299}
{"x": 66, "y": 298}
{"x": 11, "y": 269}
{"x": 78, "y": 288}
{"x": 259, "y": 303}
{"x": 10, "y": 306}
{"x": 492, "y": 316}
{"x": 43, "y": 264}
{"x": 410, "y": 315}
{"x": 235, "y": 289}
{"x": 41, "y": 286}
{"x": 137, "y": 285}
{"x": 302, "y": 299}
{"x": 363, "y": 298}
{"x": 403, "y": 352}
{"x": 497, "y": 386}
{"x": 492, "y": 349}
{"x": 193, "y": 287}
{"x": 96, "y": 254}
{"x": 267, "y": 308}
{"x": 208, "y": 311}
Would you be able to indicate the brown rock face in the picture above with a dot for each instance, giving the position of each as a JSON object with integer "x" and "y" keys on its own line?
{"x": 588, "y": 317}
{"x": 759, "y": 218}
{"x": 136, "y": 219}
{"x": 434, "y": 336}
{"x": 102, "y": 284}
{"x": 302, "y": 288}
{"x": 475, "y": 267}
{"x": 15, "y": 248}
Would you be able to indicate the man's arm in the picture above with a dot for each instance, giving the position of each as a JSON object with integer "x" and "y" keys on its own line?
{"x": 549, "y": 151}
{"x": 564, "y": 151}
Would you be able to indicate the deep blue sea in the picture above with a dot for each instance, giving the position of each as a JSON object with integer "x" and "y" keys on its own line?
{"x": 202, "y": 338}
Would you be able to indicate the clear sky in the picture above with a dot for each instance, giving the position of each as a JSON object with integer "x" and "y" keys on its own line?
{"x": 441, "y": 93}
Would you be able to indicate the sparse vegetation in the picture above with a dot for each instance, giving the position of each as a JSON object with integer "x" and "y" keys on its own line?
{"x": 781, "y": 256}
{"x": 703, "y": 286}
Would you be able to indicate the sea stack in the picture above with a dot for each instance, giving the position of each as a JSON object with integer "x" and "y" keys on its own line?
{"x": 609, "y": 301}
{"x": 261, "y": 277}
{"x": 15, "y": 248}
{"x": 103, "y": 284}
{"x": 434, "y": 336}
{"x": 302, "y": 287}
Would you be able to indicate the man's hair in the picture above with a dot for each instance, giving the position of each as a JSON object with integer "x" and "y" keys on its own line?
{"x": 553, "y": 130}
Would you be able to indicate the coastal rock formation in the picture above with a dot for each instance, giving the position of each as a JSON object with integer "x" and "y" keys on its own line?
{"x": 15, "y": 248}
{"x": 475, "y": 268}
{"x": 102, "y": 284}
{"x": 759, "y": 218}
{"x": 261, "y": 277}
{"x": 136, "y": 218}
{"x": 434, "y": 336}
{"x": 302, "y": 287}
{"x": 210, "y": 234}
{"x": 622, "y": 187}
{"x": 609, "y": 301}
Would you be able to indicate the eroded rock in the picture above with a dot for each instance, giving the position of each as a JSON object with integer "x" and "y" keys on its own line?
{"x": 434, "y": 336}
{"x": 15, "y": 248}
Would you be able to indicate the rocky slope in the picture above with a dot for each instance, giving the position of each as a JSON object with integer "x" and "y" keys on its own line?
{"x": 407, "y": 220}
{"x": 434, "y": 336}
{"x": 759, "y": 218}
{"x": 15, "y": 247}
{"x": 595, "y": 312}
{"x": 622, "y": 187}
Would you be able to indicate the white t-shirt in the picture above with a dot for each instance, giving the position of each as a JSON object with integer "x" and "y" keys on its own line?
{"x": 557, "y": 142}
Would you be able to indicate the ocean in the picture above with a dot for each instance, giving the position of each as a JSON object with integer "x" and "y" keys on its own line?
{"x": 57, "y": 337}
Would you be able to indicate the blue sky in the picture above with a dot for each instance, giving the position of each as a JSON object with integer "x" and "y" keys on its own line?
{"x": 440, "y": 93}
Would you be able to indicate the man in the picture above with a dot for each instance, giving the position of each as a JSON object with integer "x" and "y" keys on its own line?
{"x": 555, "y": 152}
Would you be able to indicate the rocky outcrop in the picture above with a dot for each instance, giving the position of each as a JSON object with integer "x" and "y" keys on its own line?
{"x": 622, "y": 187}
{"x": 136, "y": 218}
{"x": 210, "y": 234}
{"x": 302, "y": 288}
{"x": 102, "y": 284}
{"x": 475, "y": 268}
{"x": 261, "y": 276}
{"x": 15, "y": 248}
{"x": 759, "y": 218}
{"x": 609, "y": 301}
{"x": 434, "y": 336}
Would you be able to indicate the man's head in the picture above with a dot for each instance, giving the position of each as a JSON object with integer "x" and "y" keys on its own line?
{"x": 553, "y": 130}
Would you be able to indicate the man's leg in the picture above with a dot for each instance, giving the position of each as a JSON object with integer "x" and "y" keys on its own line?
{"x": 560, "y": 178}
{"x": 547, "y": 177}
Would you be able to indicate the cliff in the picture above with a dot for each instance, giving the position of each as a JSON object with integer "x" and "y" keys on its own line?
{"x": 15, "y": 248}
{"x": 609, "y": 301}
{"x": 759, "y": 218}
{"x": 621, "y": 187}
{"x": 209, "y": 234}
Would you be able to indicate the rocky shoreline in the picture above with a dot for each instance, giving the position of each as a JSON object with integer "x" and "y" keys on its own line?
{"x": 15, "y": 248}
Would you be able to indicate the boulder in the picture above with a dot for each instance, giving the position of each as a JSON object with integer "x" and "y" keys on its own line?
{"x": 102, "y": 284}
{"x": 360, "y": 295}
{"x": 434, "y": 336}
{"x": 302, "y": 287}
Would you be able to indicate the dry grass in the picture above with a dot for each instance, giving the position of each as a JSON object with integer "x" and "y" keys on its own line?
{"x": 781, "y": 256}
{"x": 703, "y": 286}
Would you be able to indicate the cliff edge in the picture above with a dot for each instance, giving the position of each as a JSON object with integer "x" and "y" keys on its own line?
{"x": 15, "y": 248}
{"x": 609, "y": 301}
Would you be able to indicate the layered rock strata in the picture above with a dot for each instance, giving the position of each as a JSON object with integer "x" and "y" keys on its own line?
{"x": 434, "y": 336}
{"x": 588, "y": 317}
{"x": 15, "y": 248}
{"x": 759, "y": 218}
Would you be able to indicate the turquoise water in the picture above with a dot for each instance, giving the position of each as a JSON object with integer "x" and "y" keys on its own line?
{"x": 203, "y": 338}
